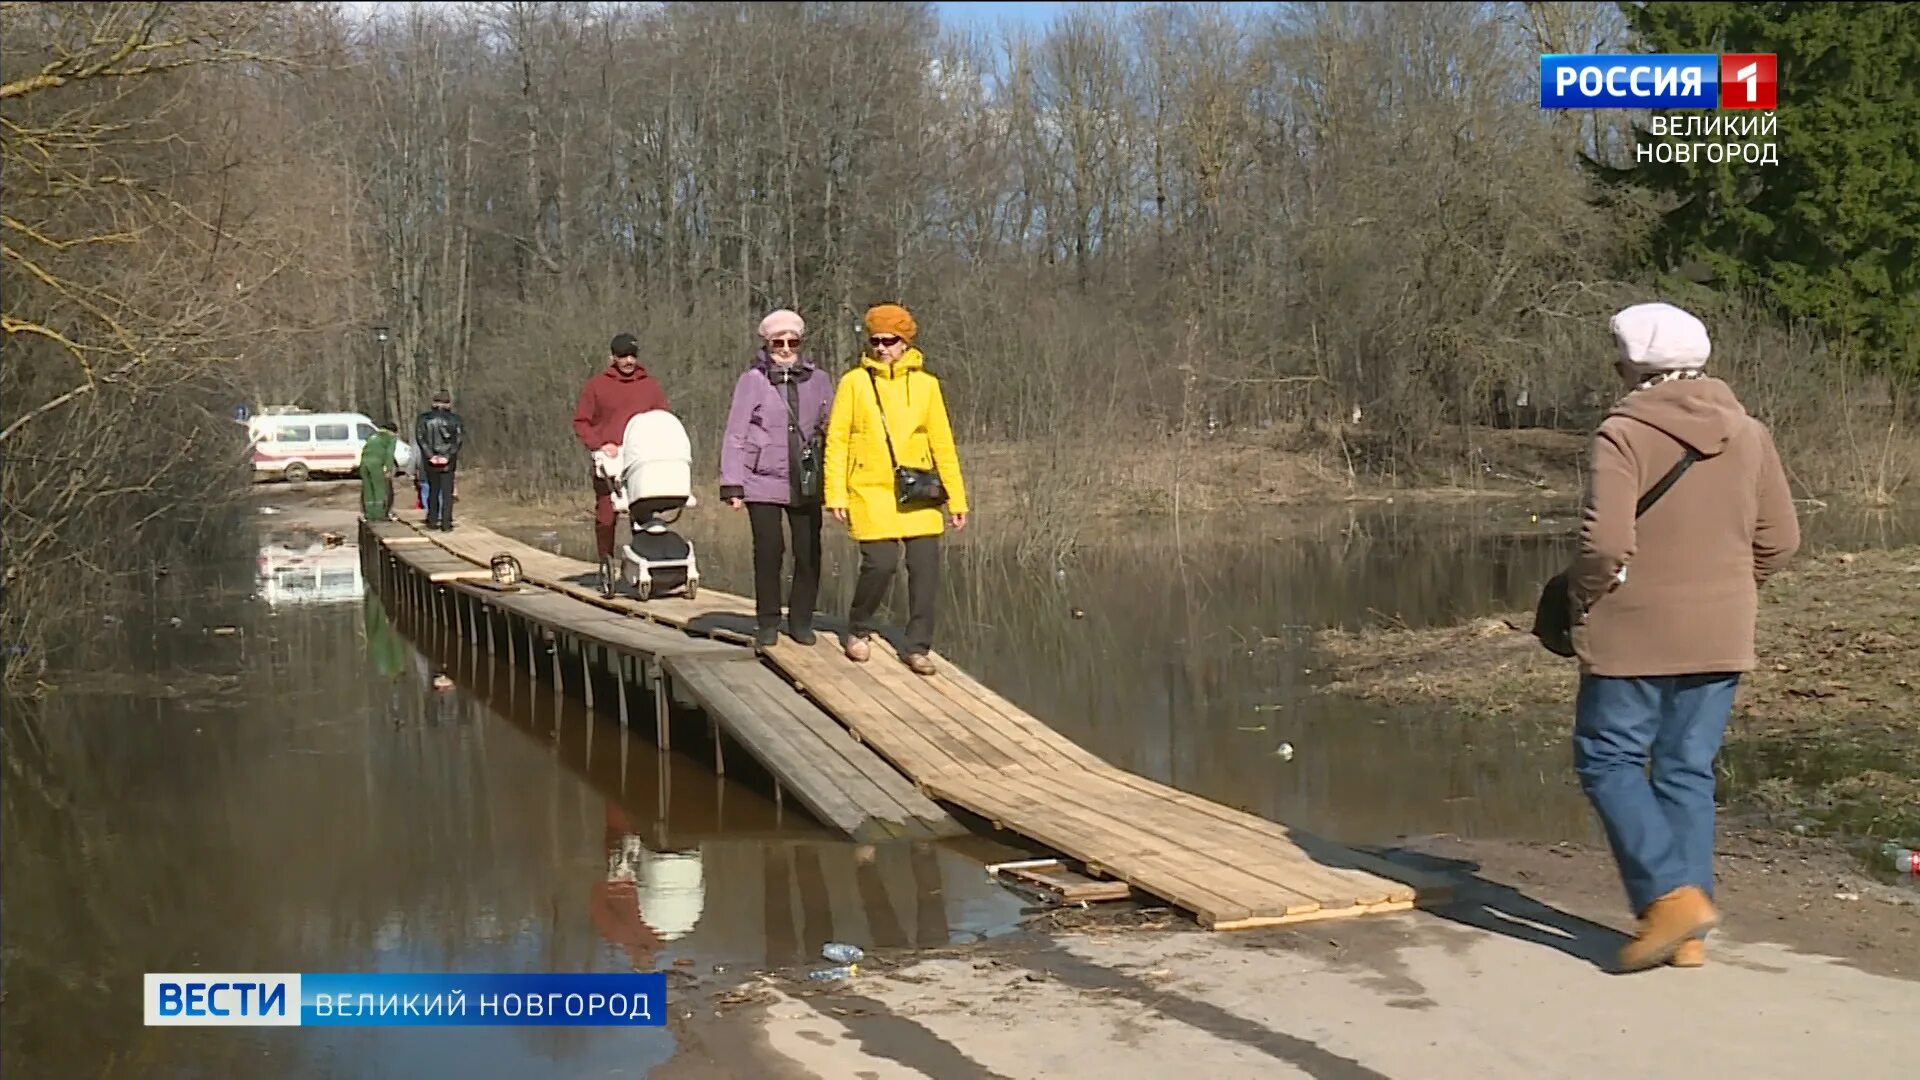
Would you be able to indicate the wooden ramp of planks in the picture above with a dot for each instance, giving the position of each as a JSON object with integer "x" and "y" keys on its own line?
{"x": 965, "y": 745}
{"x": 840, "y": 782}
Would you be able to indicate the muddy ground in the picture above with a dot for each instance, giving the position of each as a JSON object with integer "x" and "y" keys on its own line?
{"x": 1825, "y": 736}
{"x": 1816, "y": 966}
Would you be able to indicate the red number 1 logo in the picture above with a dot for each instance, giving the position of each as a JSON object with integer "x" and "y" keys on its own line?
{"x": 1748, "y": 81}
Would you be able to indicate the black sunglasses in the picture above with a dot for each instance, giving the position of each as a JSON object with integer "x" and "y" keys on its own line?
{"x": 783, "y": 343}
{"x": 883, "y": 341}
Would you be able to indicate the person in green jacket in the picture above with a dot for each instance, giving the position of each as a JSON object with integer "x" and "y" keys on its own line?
{"x": 377, "y": 463}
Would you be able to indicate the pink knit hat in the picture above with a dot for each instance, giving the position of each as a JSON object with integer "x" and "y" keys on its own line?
{"x": 782, "y": 322}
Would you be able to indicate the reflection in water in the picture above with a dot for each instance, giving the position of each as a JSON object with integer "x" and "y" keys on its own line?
{"x": 648, "y": 897}
{"x": 297, "y": 796}
{"x": 299, "y": 567}
{"x": 696, "y": 864}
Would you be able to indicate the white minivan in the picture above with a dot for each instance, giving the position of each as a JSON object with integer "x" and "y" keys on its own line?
{"x": 297, "y": 445}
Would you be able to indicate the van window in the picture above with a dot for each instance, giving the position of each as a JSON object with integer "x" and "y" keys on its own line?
{"x": 363, "y": 432}
{"x": 294, "y": 434}
{"x": 330, "y": 433}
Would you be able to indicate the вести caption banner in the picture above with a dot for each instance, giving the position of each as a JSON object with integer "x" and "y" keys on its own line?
{"x": 405, "y": 1000}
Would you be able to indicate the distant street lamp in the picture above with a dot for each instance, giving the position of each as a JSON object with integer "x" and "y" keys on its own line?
{"x": 386, "y": 401}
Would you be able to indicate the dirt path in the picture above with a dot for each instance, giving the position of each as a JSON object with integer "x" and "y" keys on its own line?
{"x": 1506, "y": 983}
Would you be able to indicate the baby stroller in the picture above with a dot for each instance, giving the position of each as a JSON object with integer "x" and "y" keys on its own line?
{"x": 652, "y": 480}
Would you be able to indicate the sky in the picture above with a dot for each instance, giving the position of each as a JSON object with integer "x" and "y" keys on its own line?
{"x": 988, "y": 13}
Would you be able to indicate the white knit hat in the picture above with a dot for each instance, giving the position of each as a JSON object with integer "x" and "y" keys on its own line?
{"x": 1661, "y": 337}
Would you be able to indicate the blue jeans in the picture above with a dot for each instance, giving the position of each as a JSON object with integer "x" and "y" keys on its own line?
{"x": 1660, "y": 826}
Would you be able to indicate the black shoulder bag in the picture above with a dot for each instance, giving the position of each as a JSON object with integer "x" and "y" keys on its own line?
{"x": 1553, "y": 615}
{"x": 913, "y": 489}
{"x": 803, "y": 452}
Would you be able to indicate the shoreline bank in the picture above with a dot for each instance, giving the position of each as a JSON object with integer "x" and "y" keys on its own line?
{"x": 1825, "y": 736}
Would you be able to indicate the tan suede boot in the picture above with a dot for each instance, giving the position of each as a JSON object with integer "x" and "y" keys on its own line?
{"x": 1669, "y": 922}
{"x": 1692, "y": 953}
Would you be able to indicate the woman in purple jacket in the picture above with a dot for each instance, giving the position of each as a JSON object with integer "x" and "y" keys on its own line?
{"x": 770, "y": 463}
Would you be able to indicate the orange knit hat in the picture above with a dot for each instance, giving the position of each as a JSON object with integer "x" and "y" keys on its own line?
{"x": 891, "y": 319}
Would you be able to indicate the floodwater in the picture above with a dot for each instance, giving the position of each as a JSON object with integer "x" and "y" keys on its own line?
{"x": 296, "y": 796}
{"x": 273, "y": 783}
{"x": 1184, "y": 655}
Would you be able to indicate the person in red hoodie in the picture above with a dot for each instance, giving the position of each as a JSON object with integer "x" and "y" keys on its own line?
{"x": 615, "y": 395}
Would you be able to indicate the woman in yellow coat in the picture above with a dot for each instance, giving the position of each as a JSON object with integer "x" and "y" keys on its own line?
{"x": 889, "y": 411}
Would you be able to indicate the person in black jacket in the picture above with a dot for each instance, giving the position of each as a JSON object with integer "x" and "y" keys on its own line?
{"x": 439, "y": 434}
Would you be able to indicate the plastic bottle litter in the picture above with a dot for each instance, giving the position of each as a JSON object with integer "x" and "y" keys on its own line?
{"x": 844, "y": 971}
{"x": 842, "y": 954}
{"x": 1901, "y": 859}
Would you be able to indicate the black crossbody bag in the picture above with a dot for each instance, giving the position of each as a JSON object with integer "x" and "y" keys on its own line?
{"x": 809, "y": 481}
{"x": 913, "y": 489}
{"x": 1553, "y": 615}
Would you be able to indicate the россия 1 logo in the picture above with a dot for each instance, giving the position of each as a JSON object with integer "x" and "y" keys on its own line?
{"x": 1659, "y": 81}
{"x": 1749, "y": 81}
{"x": 1700, "y": 87}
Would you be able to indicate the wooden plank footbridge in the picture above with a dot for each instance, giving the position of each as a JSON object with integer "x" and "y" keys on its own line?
{"x": 873, "y": 749}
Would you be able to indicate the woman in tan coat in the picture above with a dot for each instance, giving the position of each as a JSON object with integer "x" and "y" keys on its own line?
{"x": 1666, "y": 607}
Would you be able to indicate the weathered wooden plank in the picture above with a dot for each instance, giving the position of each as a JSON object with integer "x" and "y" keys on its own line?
{"x": 1095, "y": 842}
{"x": 604, "y": 628}
{"x": 1174, "y": 828}
{"x": 1258, "y": 833}
{"x": 1072, "y": 887}
{"x": 437, "y": 565}
{"x": 842, "y": 759}
{"x": 957, "y": 684}
{"x": 983, "y": 730}
{"x": 824, "y": 792}
{"x": 913, "y": 751}
{"x": 395, "y": 532}
{"x": 709, "y": 613}
{"x": 804, "y": 722}
{"x": 969, "y": 746}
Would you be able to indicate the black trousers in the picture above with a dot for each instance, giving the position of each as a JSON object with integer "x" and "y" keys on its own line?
{"x": 769, "y": 553}
{"x": 440, "y": 495}
{"x": 878, "y": 561}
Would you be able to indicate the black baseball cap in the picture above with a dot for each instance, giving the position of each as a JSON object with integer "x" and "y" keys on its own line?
{"x": 625, "y": 345}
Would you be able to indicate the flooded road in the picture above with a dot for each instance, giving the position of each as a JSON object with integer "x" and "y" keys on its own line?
{"x": 272, "y": 783}
{"x": 275, "y": 785}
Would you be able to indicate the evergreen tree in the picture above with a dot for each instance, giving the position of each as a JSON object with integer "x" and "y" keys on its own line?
{"x": 1832, "y": 232}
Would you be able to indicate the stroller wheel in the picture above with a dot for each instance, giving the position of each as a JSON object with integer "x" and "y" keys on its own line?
{"x": 609, "y": 582}
{"x": 693, "y": 587}
{"x": 644, "y": 588}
